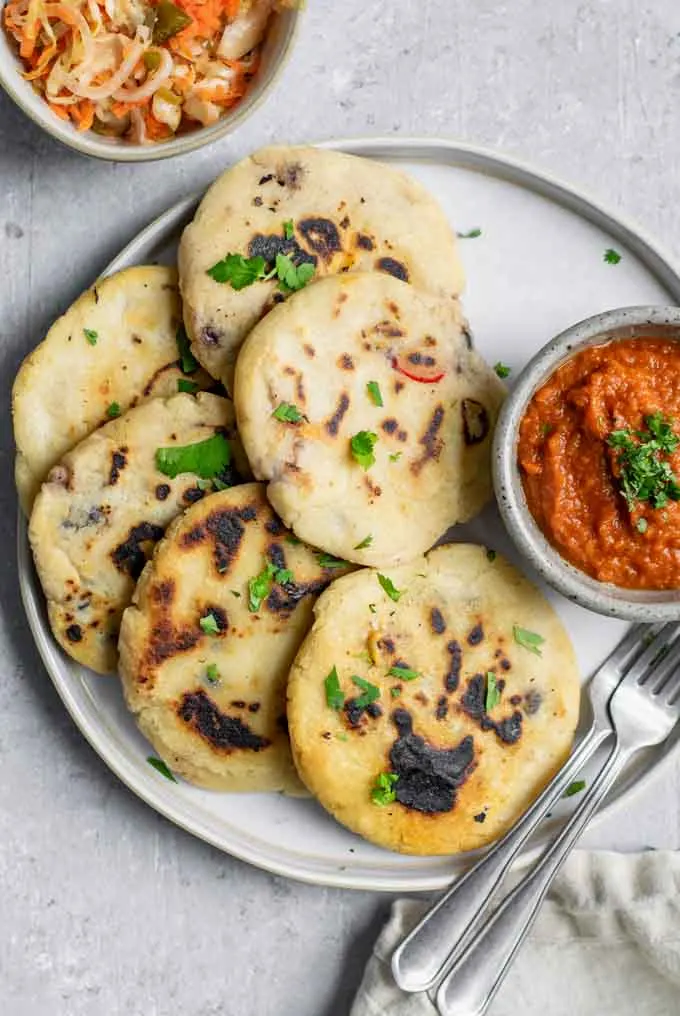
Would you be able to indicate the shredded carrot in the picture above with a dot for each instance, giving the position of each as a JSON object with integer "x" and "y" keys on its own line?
{"x": 59, "y": 111}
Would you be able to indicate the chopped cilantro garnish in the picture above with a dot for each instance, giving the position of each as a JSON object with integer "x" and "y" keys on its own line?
{"x": 205, "y": 458}
{"x": 371, "y": 692}
{"x": 212, "y": 673}
{"x": 372, "y": 607}
{"x": 113, "y": 411}
{"x": 472, "y": 234}
{"x": 90, "y": 336}
{"x": 366, "y": 542}
{"x": 328, "y": 561}
{"x": 219, "y": 484}
{"x": 235, "y": 592}
{"x": 395, "y": 692}
{"x": 204, "y": 484}
{"x": 493, "y": 695}
{"x": 528, "y": 639}
{"x": 641, "y": 525}
{"x": 292, "y": 539}
{"x": 335, "y": 698}
{"x": 642, "y": 473}
{"x": 209, "y": 625}
{"x": 288, "y": 229}
{"x": 374, "y": 393}
{"x": 491, "y": 555}
{"x": 184, "y": 385}
{"x": 502, "y": 369}
{"x": 342, "y": 737}
{"x": 238, "y": 271}
{"x": 383, "y": 791}
{"x": 160, "y": 767}
{"x": 259, "y": 586}
{"x": 187, "y": 360}
{"x": 286, "y": 412}
{"x": 575, "y": 788}
{"x": 361, "y": 446}
{"x": 403, "y": 672}
{"x": 389, "y": 587}
{"x": 545, "y": 429}
{"x": 293, "y": 277}
{"x": 395, "y": 456}
{"x": 611, "y": 256}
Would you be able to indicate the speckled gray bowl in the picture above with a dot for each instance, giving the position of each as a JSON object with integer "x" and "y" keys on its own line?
{"x": 602, "y": 597}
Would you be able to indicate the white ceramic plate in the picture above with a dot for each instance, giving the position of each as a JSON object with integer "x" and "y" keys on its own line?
{"x": 537, "y": 267}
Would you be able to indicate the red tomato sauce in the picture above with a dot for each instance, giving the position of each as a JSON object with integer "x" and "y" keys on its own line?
{"x": 569, "y": 470}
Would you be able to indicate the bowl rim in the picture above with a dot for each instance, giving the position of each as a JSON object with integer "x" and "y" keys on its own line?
{"x": 87, "y": 144}
{"x": 601, "y": 597}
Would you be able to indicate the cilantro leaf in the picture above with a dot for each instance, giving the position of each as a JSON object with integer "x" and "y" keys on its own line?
{"x": 187, "y": 360}
{"x": 472, "y": 234}
{"x": 205, "y": 458}
{"x": 328, "y": 561}
{"x": 361, "y": 446}
{"x": 528, "y": 639}
{"x": 371, "y": 692}
{"x": 502, "y": 369}
{"x": 390, "y": 588}
{"x": 641, "y": 472}
{"x": 90, "y": 336}
{"x": 113, "y": 411}
{"x": 288, "y": 229}
{"x": 366, "y": 542}
{"x": 383, "y": 791}
{"x": 293, "y": 277}
{"x": 212, "y": 673}
{"x": 238, "y": 271}
{"x": 395, "y": 692}
{"x": 286, "y": 412}
{"x": 641, "y": 525}
{"x": 403, "y": 672}
{"x": 395, "y": 456}
{"x": 574, "y": 788}
{"x": 160, "y": 767}
{"x": 611, "y": 256}
{"x": 183, "y": 385}
{"x": 209, "y": 625}
{"x": 374, "y": 393}
{"x": 493, "y": 695}
{"x": 260, "y": 585}
{"x": 335, "y": 698}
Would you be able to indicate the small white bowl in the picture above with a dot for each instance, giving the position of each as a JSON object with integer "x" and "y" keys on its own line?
{"x": 276, "y": 49}
{"x": 602, "y": 597}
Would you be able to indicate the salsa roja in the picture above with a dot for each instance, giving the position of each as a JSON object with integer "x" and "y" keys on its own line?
{"x": 599, "y": 456}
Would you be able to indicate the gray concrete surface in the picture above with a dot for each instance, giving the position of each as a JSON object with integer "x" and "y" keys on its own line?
{"x": 105, "y": 908}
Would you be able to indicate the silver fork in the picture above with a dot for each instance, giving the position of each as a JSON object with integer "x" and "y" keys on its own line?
{"x": 644, "y": 709}
{"x": 424, "y": 954}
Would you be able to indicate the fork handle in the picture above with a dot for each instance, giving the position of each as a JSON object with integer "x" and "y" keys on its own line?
{"x": 437, "y": 939}
{"x": 473, "y": 981}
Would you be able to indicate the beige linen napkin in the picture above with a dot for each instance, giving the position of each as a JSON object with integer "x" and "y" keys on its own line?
{"x": 606, "y": 943}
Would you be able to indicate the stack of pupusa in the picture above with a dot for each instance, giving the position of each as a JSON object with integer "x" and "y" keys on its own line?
{"x": 359, "y": 400}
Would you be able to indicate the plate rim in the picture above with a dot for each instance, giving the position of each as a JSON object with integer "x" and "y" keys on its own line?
{"x": 662, "y": 265}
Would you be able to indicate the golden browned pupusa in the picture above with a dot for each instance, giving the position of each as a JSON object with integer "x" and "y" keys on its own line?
{"x": 345, "y": 214}
{"x": 97, "y": 519}
{"x": 116, "y": 346}
{"x": 428, "y": 707}
{"x": 206, "y": 647}
{"x": 361, "y": 403}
